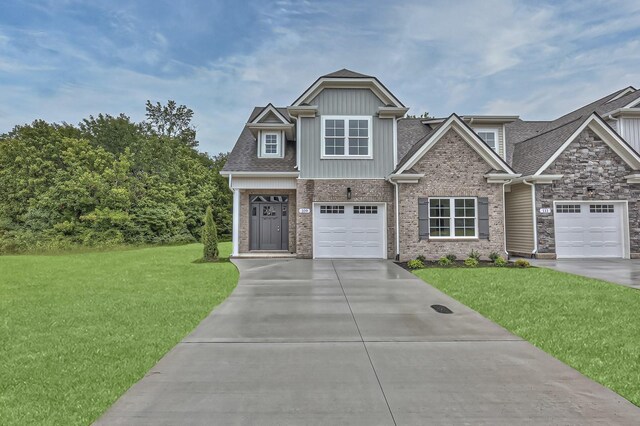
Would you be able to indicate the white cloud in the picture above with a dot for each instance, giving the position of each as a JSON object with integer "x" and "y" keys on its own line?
{"x": 507, "y": 57}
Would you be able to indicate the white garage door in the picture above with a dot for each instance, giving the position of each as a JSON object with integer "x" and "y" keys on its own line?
{"x": 348, "y": 230}
{"x": 591, "y": 229}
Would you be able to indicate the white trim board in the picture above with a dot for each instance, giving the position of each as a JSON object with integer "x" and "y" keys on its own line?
{"x": 272, "y": 109}
{"x": 611, "y": 138}
{"x": 348, "y": 83}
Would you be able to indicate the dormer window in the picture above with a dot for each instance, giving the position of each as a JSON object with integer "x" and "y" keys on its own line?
{"x": 346, "y": 137}
{"x": 490, "y": 137}
{"x": 271, "y": 144}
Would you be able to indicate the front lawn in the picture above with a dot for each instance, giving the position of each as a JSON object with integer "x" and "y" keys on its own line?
{"x": 77, "y": 330}
{"x": 591, "y": 325}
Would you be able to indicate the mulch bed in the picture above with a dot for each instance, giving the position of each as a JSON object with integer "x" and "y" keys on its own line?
{"x": 458, "y": 264}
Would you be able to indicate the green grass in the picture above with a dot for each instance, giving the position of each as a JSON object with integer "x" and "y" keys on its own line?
{"x": 591, "y": 325}
{"x": 78, "y": 330}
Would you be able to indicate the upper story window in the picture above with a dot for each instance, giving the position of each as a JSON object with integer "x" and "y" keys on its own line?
{"x": 489, "y": 136}
{"x": 346, "y": 137}
{"x": 271, "y": 145}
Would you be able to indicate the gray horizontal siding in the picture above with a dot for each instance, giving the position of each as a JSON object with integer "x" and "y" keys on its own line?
{"x": 346, "y": 102}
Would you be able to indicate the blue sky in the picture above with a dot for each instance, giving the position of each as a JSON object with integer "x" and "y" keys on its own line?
{"x": 62, "y": 60}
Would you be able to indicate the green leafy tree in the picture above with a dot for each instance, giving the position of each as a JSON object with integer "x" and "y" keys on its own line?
{"x": 171, "y": 121}
{"x": 210, "y": 237}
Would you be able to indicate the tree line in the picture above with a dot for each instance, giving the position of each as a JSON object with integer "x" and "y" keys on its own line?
{"x": 109, "y": 181}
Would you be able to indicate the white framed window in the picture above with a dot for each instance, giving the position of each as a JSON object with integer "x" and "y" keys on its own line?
{"x": 453, "y": 217}
{"x": 346, "y": 137}
{"x": 489, "y": 136}
{"x": 270, "y": 145}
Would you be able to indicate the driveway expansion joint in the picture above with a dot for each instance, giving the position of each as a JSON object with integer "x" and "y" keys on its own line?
{"x": 364, "y": 344}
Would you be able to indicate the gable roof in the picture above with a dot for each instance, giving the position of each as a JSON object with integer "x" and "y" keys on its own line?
{"x": 533, "y": 156}
{"x": 345, "y": 73}
{"x": 348, "y": 78}
{"x": 280, "y": 113}
{"x": 454, "y": 122}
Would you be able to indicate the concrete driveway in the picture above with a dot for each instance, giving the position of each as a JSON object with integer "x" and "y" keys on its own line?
{"x": 618, "y": 271}
{"x": 356, "y": 342}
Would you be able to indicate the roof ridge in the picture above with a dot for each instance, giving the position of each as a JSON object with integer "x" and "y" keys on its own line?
{"x": 597, "y": 102}
{"x": 553, "y": 129}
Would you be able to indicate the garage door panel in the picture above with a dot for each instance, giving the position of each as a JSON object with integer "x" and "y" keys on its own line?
{"x": 589, "y": 229}
{"x": 360, "y": 234}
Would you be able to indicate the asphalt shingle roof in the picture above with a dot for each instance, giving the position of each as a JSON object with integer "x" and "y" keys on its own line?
{"x": 531, "y": 143}
{"x": 244, "y": 155}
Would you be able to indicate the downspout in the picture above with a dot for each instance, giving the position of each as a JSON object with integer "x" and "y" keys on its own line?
{"x": 618, "y": 124}
{"x": 535, "y": 216}
{"x": 504, "y": 214}
{"x": 397, "y": 217}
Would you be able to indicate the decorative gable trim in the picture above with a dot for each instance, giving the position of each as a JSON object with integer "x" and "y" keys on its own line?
{"x": 455, "y": 123}
{"x": 607, "y": 134}
{"x": 270, "y": 109}
{"x": 371, "y": 83}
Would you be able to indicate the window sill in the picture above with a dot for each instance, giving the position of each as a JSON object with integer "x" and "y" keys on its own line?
{"x": 346, "y": 157}
{"x": 450, "y": 240}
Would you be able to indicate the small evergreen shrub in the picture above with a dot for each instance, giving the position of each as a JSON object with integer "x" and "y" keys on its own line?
{"x": 210, "y": 237}
{"x": 493, "y": 256}
{"x": 452, "y": 257}
{"x": 474, "y": 254}
{"x": 521, "y": 263}
{"x": 421, "y": 258}
{"x": 415, "y": 264}
{"x": 444, "y": 261}
{"x": 471, "y": 262}
{"x": 500, "y": 262}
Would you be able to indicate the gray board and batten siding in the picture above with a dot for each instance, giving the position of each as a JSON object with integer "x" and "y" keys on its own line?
{"x": 356, "y": 102}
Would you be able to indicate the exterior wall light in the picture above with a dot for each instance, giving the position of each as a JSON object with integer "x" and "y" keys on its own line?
{"x": 348, "y": 193}
{"x": 591, "y": 191}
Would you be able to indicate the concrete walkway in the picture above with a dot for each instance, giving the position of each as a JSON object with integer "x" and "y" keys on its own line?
{"x": 356, "y": 342}
{"x": 618, "y": 271}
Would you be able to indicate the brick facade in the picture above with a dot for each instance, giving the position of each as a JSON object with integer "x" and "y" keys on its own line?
{"x": 335, "y": 190}
{"x": 452, "y": 168}
{"x": 245, "y": 218}
{"x": 588, "y": 162}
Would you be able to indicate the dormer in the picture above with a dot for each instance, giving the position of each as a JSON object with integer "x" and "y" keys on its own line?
{"x": 271, "y": 128}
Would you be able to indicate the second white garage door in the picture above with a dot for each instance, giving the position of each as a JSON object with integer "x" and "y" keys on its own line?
{"x": 593, "y": 229}
{"x": 349, "y": 231}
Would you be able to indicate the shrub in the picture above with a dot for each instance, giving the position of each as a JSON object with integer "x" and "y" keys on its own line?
{"x": 493, "y": 256}
{"x": 444, "y": 261}
{"x": 471, "y": 262}
{"x": 474, "y": 254}
{"x": 500, "y": 261}
{"x": 415, "y": 264}
{"x": 421, "y": 258}
{"x": 452, "y": 257}
{"x": 521, "y": 263}
{"x": 210, "y": 237}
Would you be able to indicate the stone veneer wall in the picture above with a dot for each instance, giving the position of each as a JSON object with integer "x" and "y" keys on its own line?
{"x": 245, "y": 219}
{"x": 335, "y": 190}
{"x": 587, "y": 162}
{"x": 452, "y": 168}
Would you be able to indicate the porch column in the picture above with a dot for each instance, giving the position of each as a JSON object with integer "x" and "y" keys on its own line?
{"x": 236, "y": 222}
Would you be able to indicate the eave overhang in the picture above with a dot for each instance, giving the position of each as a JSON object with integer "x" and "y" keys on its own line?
{"x": 392, "y": 112}
{"x": 258, "y": 174}
{"x": 540, "y": 179}
{"x": 256, "y": 127}
{"x": 501, "y": 177}
{"x": 302, "y": 111}
{"x": 624, "y": 112}
{"x": 405, "y": 177}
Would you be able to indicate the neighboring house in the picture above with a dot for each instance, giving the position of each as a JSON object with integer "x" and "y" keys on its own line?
{"x": 341, "y": 174}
